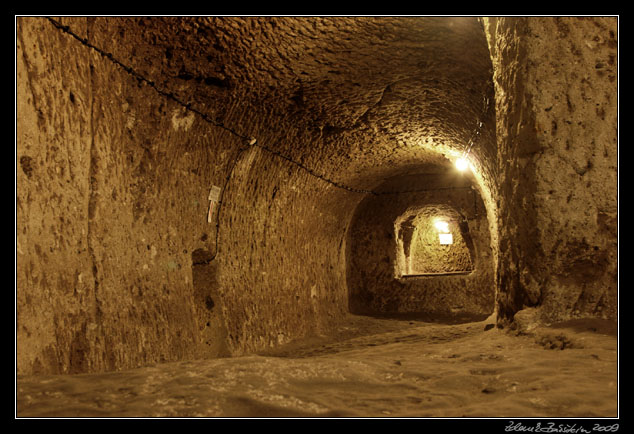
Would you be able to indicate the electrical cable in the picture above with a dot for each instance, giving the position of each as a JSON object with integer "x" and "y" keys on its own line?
{"x": 188, "y": 106}
{"x": 241, "y": 149}
{"x": 476, "y": 133}
{"x": 246, "y": 141}
{"x": 249, "y": 140}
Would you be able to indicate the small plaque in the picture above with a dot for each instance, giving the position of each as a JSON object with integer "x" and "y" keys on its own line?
{"x": 214, "y": 197}
{"x": 214, "y": 193}
{"x": 445, "y": 238}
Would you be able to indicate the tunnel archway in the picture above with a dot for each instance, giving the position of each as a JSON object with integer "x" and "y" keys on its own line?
{"x": 162, "y": 119}
{"x": 373, "y": 98}
{"x": 446, "y": 282}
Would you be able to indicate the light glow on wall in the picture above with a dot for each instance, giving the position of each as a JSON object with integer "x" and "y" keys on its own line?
{"x": 462, "y": 164}
{"x": 442, "y": 226}
{"x": 444, "y": 236}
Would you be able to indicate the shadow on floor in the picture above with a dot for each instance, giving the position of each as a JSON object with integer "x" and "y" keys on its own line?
{"x": 595, "y": 325}
{"x": 433, "y": 318}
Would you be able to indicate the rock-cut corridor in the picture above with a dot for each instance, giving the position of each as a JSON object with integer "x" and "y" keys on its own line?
{"x": 316, "y": 216}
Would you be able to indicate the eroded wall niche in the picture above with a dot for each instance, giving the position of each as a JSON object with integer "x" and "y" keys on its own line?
{"x": 432, "y": 240}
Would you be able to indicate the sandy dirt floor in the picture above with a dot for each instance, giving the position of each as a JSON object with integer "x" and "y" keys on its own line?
{"x": 372, "y": 368}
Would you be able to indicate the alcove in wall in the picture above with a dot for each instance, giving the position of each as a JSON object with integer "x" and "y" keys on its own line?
{"x": 432, "y": 241}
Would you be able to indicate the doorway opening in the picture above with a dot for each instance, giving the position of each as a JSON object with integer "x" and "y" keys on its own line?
{"x": 432, "y": 241}
{"x": 424, "y": 254}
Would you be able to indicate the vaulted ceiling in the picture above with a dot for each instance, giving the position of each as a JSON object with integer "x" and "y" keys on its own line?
{"x": 380, "y": 96}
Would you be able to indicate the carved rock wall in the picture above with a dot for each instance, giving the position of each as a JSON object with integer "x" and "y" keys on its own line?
{"x": 556, "y": 89}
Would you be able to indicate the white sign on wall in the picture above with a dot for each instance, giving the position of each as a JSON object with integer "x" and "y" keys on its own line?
{"x": 445, "y": 238}
{"x": 214, "y": 197}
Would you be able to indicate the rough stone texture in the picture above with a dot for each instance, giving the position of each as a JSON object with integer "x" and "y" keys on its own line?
{"x": 374, "y": 271}
{"x": 112, "y": 199}
{"x": 408, "y": 370}
{"x": 114, "y": 251}
{"x": 556, "y": 102}
{"x": 426, "y": 253}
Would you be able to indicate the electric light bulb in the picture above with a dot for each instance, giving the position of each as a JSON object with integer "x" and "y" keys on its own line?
{"x": 462, "y": 164}
{"x": 442, "y": 226}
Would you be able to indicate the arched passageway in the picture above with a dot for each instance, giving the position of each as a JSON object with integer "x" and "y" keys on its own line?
{"x": 399, "y": 260}
{"x": 200, "y": 187}
{"x": 280, "y": 136}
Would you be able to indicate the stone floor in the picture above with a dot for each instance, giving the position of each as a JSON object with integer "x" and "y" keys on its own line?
{"x": 381, "y": 368}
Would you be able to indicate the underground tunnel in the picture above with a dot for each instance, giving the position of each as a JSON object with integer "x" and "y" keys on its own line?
{"x": 423, "y": 252}
{"x": 260, "y": 202}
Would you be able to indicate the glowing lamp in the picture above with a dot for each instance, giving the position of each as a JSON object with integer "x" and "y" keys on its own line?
{"x": 442, "y": 226}
{"x": 462, "y": 164}
{"x": 444, "y": 236}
